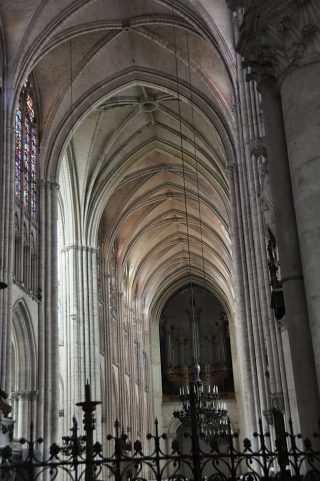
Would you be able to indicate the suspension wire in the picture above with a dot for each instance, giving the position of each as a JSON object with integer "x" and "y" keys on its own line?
{"x": 184, "y": 176}
{"x": 196, "y": 160}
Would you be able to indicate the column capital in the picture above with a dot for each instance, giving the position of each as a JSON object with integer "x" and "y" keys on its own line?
{"x": 277, "y": 37}
{"x": 81, "y": 247}
{"x": 54, "y": 186}
{"x": 47, "y": 185}
{"x": 25, "y": 394}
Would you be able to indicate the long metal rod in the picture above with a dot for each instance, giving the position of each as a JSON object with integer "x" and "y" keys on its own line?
{"x": 195, "y": 434}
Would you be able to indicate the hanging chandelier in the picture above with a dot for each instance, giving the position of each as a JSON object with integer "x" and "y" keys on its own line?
{"x": 203, "y": 410}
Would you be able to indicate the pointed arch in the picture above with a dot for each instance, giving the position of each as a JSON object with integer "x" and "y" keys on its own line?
{"x": 24, "y": 347}
{"x": 24, "y": 369}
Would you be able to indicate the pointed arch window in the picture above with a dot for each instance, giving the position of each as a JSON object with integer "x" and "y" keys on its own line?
{"x": 26, "y": 151}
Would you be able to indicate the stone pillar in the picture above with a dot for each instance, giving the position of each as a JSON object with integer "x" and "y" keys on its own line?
{"x": 81, "y": 328}
{"x": 264, "y": 214}
{"x": 7, "y": 198}
{"x": 24, "y": 411}
{"x": 301, "y": 109}
{"x": 277, "y": 38}
{"x": 48, "y": 409}
{"x": 243, "y": 339}
{"x": 53, "y": 328}
{"x": 289, "y": 253}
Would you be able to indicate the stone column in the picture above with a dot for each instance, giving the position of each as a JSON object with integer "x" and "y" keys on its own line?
{"x": 81, "y": 328}
{"x": 289, "y": 253}
{"x": 243, "y": 339}
{"x": 53, "y": 330}
{"x": 277, "y": 38}
{"x": 250, "y": 285}
{"x": 7, "y": 198}
{"x": 25, "y": 406}
{"x": 301, "y": 109}
{"x": 48, "y": 409}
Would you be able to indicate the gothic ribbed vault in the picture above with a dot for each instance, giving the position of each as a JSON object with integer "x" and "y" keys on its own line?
{"x": 136, "y": 124}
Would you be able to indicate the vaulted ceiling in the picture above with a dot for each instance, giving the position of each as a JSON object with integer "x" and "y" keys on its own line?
{"x": 136, "y": 116}
{"x": 170, "y": 194}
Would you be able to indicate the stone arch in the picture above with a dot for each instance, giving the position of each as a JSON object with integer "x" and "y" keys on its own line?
{"x": 173, "y": 425}
{"x": 24, "y": 379}
{"x": 154, "y": 314}
{"x": 33, "y": 48}
{"x": 24, "y": 346}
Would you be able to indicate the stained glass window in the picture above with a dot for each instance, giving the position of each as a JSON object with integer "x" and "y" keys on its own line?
{"x": 26, "y": 151}
{"x": 18, "y": 151}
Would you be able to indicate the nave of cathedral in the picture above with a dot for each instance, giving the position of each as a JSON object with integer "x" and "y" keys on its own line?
{"x": 160, "y": 207}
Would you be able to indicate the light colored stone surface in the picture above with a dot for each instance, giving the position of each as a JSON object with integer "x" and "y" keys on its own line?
{"x": 280, "y": 43}
{"x": 301, "y": 109}
{"x": 289, "y": 252}
{"x": 124, "y": 88}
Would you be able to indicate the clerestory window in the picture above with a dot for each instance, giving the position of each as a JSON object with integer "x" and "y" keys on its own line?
{"x": 26, "y": 152}
{"x": 26, "y": 182}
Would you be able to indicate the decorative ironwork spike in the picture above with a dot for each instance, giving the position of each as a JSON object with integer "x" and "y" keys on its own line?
{"x": 31, "y": 430}
{"x": 157, "y": 427}
{"x": 291, "y": 426}
{"x": 117, "y": 426}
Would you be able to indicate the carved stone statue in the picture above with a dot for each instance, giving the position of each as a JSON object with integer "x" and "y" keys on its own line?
{"x": 265, "y": 193}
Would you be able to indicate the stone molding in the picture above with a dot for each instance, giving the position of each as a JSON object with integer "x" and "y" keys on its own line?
{"x": 47, "y": 185}
{"x": 80, "y": 247}
{"x": 24, "y": 394}
{"x": 277, "y": 37}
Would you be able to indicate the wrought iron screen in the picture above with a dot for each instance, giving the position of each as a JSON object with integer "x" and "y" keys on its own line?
{"x": 257, "y": 460}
